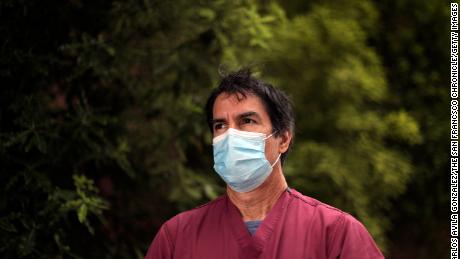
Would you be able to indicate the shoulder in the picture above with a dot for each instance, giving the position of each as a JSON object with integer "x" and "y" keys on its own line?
{"x": 344, "y": 234}
{"x": 200, "y": 210}
{"x": 324, "y": 216}
{"x": 318, "y": 209}
{"x": 189, "y": 218}
{"x": 182, "y": 225}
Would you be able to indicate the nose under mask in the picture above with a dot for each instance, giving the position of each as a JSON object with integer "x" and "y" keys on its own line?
{"x": 239, "y": 159}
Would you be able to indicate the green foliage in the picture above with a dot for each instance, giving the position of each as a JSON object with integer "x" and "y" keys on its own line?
{"x": 35, "y": 225}
{"x": 342, "y": 151}
{"x": 413, "y": 48}
{"x": 102, "y": 129}
{"x": 86, "y": 201}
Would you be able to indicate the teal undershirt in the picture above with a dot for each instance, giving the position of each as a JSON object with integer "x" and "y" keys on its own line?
{"x": 252, "y": 225}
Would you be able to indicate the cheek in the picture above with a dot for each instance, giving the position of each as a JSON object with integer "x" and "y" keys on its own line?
{"x": 271, "y": 149}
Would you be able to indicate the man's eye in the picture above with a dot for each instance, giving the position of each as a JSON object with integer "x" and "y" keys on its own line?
{"x": 248, "y": 121}
{"x": 218, "y": 126}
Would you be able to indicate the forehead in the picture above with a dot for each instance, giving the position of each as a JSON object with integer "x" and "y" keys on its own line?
{"x": 235, "y": 103}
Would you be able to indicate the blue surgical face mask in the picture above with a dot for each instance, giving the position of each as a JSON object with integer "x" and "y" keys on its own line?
{"x": 239, "y": 158}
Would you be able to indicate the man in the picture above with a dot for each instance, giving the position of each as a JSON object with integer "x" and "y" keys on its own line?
{"x": 259, "y": 217}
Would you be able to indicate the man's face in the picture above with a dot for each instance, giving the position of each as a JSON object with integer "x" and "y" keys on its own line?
{"x": 245, "y": 114}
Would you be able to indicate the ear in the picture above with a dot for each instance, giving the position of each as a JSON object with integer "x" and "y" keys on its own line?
{"x": 286, "y": 138}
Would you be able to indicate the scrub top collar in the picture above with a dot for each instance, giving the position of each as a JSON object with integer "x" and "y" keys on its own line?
{"x": 254, "y": 245}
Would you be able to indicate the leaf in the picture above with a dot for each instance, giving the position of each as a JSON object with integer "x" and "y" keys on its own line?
{"x": 7, "y": 226}
{"x": 82, "y": 212}
{"x": 207, "y": 14}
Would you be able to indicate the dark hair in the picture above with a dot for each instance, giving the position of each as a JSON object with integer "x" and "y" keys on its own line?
{"x": 276, "y": 102}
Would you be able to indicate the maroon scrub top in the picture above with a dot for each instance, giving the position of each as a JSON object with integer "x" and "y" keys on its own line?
{"x": 297, "y": 227}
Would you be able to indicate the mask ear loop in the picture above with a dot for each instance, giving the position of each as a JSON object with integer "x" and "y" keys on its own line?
{"x": 276, "y": 161}
{"x": 269, "y": 136}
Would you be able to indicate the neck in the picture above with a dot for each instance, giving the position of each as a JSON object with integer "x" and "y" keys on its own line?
{"x": 256, "y": 204}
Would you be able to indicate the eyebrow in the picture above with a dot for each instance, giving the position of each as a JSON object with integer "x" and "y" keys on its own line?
{"x": 248, "y": 114}
{"x": 239, "y": 116}
{"x": 214, "y": 121}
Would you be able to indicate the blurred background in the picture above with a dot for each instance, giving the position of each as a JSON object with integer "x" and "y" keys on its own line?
{"x": 103, "y": 134}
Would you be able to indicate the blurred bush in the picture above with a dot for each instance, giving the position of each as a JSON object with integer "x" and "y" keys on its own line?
{"x": 103, "y": 135}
